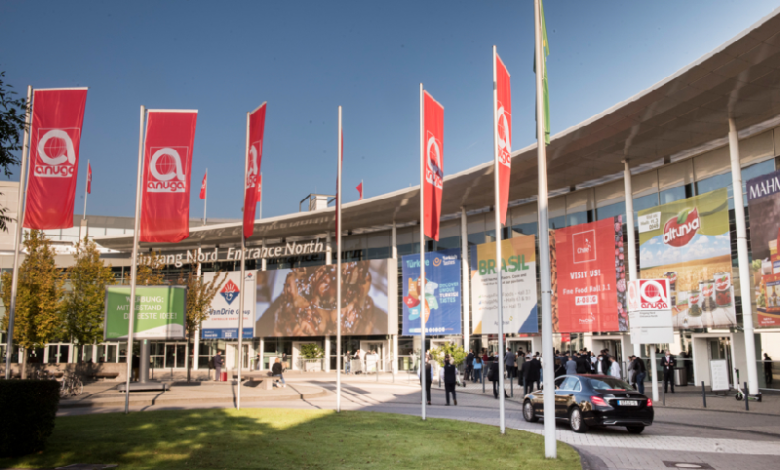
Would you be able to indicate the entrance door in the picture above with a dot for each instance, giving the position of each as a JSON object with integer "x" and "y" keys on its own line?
{"x": 379, "y": 350}
{"x": 720, "y": 348}
{"x": 170, "y": 356}
{"x": 232, "y": 357}
{"x": 615, "y": 348}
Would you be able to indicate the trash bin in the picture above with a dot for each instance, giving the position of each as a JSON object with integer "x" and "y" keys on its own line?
{"x": 223, "y": 377}
{"x": 680, "y": 377}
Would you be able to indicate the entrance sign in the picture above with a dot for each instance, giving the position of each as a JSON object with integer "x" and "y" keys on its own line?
{"x": 518, "y": 284}
{"x": 223, "y": 314}
{"x": 160, "y": 312}
{"x": 764, "y": 204}
{"x": 440, "y": 299}
{"x": 719, "y": 375}
{"x": 650, "y": 311}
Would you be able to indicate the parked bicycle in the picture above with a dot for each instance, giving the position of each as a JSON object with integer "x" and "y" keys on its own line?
{"x": 71, "y": 386}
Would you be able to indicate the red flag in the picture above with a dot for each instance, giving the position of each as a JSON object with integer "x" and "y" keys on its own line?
{"x": 254, "y": 158}
{"x": 55, "y": 133}
{"x": 360, "y": 189}
{"x": 433, "y": 131}
{"x": 259, "y": 187}
{"x": 165, "y": 213}
{"x": 203, "y": 186}
{"x": 89, "y": 178}
{"x": 503, "y": 106}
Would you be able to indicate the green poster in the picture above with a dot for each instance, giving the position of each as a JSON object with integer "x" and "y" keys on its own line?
{"x": 160, "y": 312}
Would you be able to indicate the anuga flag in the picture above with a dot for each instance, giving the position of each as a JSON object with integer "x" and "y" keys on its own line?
{"x": 55, "y": 136}
{"x": 433, "y": 133}
{"x": 546, "y": 95}
{"x": 503, "y": 124}
{"x": 89, "y": 178}
{"x": 165, "y": 212}
{"x": 203, "y": 185}
{"x": 256, "y": 128}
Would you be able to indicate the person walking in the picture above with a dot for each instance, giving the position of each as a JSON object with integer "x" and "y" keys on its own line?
{"x": 347, "y": 363}
{"x": 767, "y": 369}
{"x": 277, "y": 370}
{"x": 534, "y": 375}
{"x": 428, "y": 378}
{"x": 218, "y": 361}
{"x": 668, "y": 363}
{"x": 614, "y": 370}
{"x": 638, "y": 366}
{"x": 559, "y": 369}
{"x": 509, "y": 360}
{"x": 477, "y": 372}
{"x": 493, "y": 376}
{"x": 449, "y": 375}
{"x": 571, "y": 366}
{"x": 469, "y": 365}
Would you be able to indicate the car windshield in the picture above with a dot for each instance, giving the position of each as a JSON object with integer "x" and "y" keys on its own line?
{"x": 610, "y": 384}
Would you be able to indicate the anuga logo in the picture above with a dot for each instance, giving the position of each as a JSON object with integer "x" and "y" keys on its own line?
{"x": 166, "y": 174}
{"x": 255, "y": 156}
{"x": 435, "y": 171}
{"x": 56, "y": 153}
{"x": 230, "y": 292}
{"x": 679, "y": 230}
{"x": 504, "y": 135}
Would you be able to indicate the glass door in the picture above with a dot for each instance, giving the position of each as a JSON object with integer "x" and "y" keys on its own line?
{"x": 233, "y": 357}
{"x": 181, "y": 355}
{"x": 170, "y": 356}
{"x": 720, "y": 348}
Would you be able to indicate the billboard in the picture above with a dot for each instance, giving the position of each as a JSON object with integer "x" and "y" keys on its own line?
{"x": 589, "y": 285}
{"x": 441, "y": 298}
{"x": 688, "y": 242}
{"x": 764, "y": 207}
{"x": 160, "y": 312}
{"x": 222, "y": 322}
{"x": 518, "y": 286}
{"x": 302, "y": 301}
{"x": 650, "y": 311}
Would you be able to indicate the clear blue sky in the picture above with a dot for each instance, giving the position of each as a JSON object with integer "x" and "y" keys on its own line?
{"x": 307, "y": 58}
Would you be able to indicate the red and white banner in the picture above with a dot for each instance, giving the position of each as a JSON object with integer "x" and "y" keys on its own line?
{"x": 433, "y": 133}
{"x": 503, "y": 124}
{"x": 259, "y": 187}
{"x": 165, "y": 212}
{"x": 203, "y": 186}
{"x": 89, "y": 178}
{"x": 254, "y": 158}
{"x": 360, "y": 190}
{"x": 55, "y": 135}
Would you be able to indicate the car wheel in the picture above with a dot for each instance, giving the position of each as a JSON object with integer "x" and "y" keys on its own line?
{"x": 575, "y": 420}
{"x": 635, "y": 429}
{"x": 528, "y": 412}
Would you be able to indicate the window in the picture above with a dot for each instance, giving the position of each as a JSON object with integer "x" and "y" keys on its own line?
{"x": 571, "y": 384}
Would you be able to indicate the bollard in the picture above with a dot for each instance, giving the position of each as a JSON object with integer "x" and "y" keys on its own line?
{"x": 483, "y": 378}
{"x": 664, "y": 396}
{"x": 747, "y": 398}
{"x": 511, "y": 388}
{"x": 703, "y": 395}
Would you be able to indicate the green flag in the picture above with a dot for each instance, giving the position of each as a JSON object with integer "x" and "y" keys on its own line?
{"x": 546, "y": 95}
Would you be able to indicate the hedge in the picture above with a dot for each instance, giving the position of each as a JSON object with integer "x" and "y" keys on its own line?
{"x": 28, "y": 409}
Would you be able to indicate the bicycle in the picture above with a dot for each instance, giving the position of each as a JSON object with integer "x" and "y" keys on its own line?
{"x": 71, "y": 386}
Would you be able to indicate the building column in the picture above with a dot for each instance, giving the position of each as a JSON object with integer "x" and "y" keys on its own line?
{"x": 196, "y": 340}
{"x": 394, "y": 251}
{"x": 261, "y": 366}
{"x": 327, "y": 354}
{"x": 743, "y": 261}
{"x": 465, "y": 288}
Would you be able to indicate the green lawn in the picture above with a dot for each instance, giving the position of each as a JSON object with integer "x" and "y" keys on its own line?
{"x": 288, "y": 439}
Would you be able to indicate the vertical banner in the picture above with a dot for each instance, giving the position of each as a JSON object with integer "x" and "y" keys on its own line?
{"x": 223, "y": 312}
{"x": 439, "y": 300}
{"x": 764, "y": 206}
{"x": 203, "y": 186}
{"x": 89, "y": 178}
{"x": 518, "y": 286}
{"x": 503, "y": 106}
{"x": 252, "y": 183}
{"x": 434, "y": 169}
{"x": 589, "y": 277}
{"x": 689, "y": 243}
{"x": 165, "y": 209}
{"x": 55, "y": 136}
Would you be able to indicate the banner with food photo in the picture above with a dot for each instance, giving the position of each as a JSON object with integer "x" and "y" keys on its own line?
{"x": 589, "y": 285}
{"x": 518, "y": 285}
{"x": 764, "y": 206}
{"x": 688, "y": 242}
{"x": 302, "y": 301}
{"x": 439, "y": 300}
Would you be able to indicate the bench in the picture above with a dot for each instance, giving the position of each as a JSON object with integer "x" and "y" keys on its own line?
{"x": 267, "y": 382}
{"x": 103, "y": 375}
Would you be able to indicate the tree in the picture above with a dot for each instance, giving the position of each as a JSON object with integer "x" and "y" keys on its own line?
{"x": 39, "y": 297}
{"x": 12, "y": 116}
{"x": 150, "y": 271}
{"x": 84, "y": 305}
{"x": 457, "y": 353}
{"x": 199, "y": 297}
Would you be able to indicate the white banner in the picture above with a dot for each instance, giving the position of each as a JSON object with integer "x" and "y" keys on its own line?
{"x": 222, "y": 322}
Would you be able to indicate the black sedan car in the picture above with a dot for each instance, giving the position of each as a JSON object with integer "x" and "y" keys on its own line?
{"x": 593, "y": 400}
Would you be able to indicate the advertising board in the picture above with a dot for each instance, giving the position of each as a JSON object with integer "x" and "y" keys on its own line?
{"x": 518, "y": 286}
{"x": 440, "y": 300}
{"x": 650, "y": 311}
{"x": 160, "y": 312}
{"x": 222, "y": 322}
{"x": 764, "y": 205}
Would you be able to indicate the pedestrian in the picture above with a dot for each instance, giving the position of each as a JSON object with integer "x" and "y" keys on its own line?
{"x": 347, "y": 363}
{"x": 614, "y": 370}
{"x": 509, "y": 361}
{"x": 493, "y": 376}
{"x": 767, "y": 369}
{"x": 218, "y": 361}
{"x": 534, "y": 374}
{"x": 668, "y": 363}
{"x": 630, "y": 371}
{"x": 485, "y": 357}
{"x": 583, "y": 364}
{"x": 477, "y": 372}
{"x": 559, "y": 369}
{"x": 449, "y": 375}
{"x": 571, "y": 366}
{"x": 640, "y": 372}
{"x": 277, "y": 370}
{"x": 469, "y": 365}
{"x": 428, "y": 378}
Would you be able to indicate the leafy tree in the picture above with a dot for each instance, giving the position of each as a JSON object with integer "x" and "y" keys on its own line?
{"x": 199, "y": 297}
{"x": 39, "y": 297}
{"x": 311, "y": 351}
{"x": 457, "y": 353}
{"x": 150, "y": 271}
{"x": 84, "y": 305}
{"x": 12, "y": 116}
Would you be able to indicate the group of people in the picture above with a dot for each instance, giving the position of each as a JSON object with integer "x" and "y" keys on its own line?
{"x": 448, "y": 374}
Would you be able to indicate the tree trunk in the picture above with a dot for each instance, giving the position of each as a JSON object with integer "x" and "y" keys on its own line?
{"x": 23, "y": 372}
{"x": 189, "y": 361}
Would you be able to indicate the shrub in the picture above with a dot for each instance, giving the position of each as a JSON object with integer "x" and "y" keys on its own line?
{"x": 457, "y": 353}
{"x": 311, "y": 351}
{"x": 28, "y": 409}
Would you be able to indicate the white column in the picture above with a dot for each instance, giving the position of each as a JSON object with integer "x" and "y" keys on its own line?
{"x": 743, "y": 261}
{"x": 327, "y": 354}
{"x": 262, "y": 354}
{"x": 394, "y": 251}
{"x": 465, "y": 287}
{"x": 196, "y": 340}
{"x": 328, "y": 250}
{"x": 263, "y": 262}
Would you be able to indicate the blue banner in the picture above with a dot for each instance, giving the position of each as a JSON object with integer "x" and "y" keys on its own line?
{"x": 441, "y": 300}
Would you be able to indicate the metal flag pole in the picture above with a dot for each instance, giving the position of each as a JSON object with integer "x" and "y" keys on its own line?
{"x": 22, "y": 195}
{"x": 205, "y": 196}
{"x": 134, "y": 259}
{"x": 422, "y": 252}
{"x": 242, "y": 281}
{"x": 338, "y": 268}
{"x": 86, "y": 193}
{"x": 499, "y": 259}
{"x": 550, "y": 450}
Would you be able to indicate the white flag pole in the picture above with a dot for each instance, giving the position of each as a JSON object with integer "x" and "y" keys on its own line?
{"x": 550, "y": 450}
{"x": 423, "y": 379}
{"x": 205, "y": 196}
{"x": 134, "y": 259}
{"x": 242, "y": 281}
{"x": 86, "y": 193}
{"x": 338, "y": 269}
{"x": 499, "y": 286}
{"x": 20, "y": 208}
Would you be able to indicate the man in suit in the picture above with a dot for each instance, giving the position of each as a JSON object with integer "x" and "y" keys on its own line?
{"x": 668, "y": 363}
{"x": 534, "y": 375}
{"x": 449, "y": 374}
{"x": 509, "y": 360}
{"x": 469, "y": 365}
{"x": 428, "y": 379}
